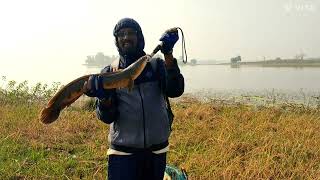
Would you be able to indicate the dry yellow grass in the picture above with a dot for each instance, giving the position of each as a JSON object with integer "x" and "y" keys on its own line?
{"x": 214, "y": 141}
{"x": 210, "y": 140}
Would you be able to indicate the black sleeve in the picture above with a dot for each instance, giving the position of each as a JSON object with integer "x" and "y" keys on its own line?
{"x": 107, "y": 113}
{"x": 175, "y": 81}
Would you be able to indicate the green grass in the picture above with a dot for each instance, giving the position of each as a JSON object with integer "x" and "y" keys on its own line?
{"x": 65, "y": 149}
{"x": 211, "y": 140}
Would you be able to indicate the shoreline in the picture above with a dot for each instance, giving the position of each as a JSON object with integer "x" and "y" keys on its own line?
{"x": 278, "y": 63}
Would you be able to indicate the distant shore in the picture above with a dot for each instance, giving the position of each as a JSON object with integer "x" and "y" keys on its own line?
{"x": 279, "y": 63}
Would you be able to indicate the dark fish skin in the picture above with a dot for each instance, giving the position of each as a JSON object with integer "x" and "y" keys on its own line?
{"x": 73, "y": 90}
{"x": 125, "y": 77}
{"x": 63, "y": 98}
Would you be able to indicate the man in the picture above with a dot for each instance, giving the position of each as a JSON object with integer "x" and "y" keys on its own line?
{"x": 139, "y": 119}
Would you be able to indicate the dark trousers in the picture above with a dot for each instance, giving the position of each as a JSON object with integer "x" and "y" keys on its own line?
{"x": 138, "y": 166}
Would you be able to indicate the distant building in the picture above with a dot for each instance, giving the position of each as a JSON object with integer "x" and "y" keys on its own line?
{"x": 235, "y": 59}
{"x": 99, "y": 60}
{"x": 193, "y": 62}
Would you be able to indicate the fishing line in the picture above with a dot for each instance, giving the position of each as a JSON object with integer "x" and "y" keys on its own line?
{"x": 184, "y": 51}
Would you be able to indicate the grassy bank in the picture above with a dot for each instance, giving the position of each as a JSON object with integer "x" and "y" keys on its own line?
{"x": 211, "y": 140}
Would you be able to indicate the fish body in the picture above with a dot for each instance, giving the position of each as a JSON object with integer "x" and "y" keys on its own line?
{"x": 125, "y": 77}
{"x": 73, "y": 90}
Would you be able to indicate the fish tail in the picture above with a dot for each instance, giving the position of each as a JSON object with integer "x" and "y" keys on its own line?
{"x": 48, "y": 115}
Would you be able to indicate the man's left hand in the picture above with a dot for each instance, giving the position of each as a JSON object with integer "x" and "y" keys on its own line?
{"x": 169, "y": 39}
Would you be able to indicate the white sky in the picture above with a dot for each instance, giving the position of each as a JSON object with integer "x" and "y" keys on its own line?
{"x": 38, "y": 33}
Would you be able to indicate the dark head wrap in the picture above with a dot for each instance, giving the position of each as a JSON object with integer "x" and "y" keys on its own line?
{"x": 130, "y": 23}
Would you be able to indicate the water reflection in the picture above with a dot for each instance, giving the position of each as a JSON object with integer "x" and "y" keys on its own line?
{"x": 235, "y": 65}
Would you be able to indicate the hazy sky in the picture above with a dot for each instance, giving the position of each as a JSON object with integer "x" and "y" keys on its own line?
{"x": 37, "y": 33}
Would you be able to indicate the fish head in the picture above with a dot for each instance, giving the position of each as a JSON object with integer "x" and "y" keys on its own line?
{"x": 139, "y": 65}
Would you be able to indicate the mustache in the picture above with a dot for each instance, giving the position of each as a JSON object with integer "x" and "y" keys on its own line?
{"x": 127, "y": 41}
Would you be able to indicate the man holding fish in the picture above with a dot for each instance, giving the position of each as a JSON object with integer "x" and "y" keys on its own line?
{"x": 139, "y": 116}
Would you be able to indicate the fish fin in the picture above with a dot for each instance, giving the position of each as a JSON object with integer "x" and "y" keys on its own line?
{"x": 130, "y": 85}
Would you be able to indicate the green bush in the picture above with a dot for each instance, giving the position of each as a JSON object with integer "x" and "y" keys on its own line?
{"x": 12, "y": 92}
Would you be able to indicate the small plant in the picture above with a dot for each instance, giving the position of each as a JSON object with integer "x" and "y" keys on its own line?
{"x": 14, "y": 93}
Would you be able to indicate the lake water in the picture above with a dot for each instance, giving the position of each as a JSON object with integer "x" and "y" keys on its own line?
{"x": 265, "y": 84}
{"x": 223, "y": 77}
{"x": 209, "y": 80}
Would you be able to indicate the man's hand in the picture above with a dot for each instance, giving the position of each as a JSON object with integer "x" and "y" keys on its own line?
{"x": 93, "y": 87}
{"x": 169, "y": 39}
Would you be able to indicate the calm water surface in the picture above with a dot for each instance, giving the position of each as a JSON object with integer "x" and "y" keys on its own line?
{"x": 204, "y": 80}
{"x": 223, "y": 77}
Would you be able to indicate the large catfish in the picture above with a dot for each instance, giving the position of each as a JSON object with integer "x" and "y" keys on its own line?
{"x": 73, "y": 90}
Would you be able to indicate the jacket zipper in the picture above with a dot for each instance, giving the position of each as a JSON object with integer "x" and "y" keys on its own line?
{"x": 144, "y": 122}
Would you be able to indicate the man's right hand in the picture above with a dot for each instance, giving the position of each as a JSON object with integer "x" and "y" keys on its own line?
{"x": 94, "y": 87}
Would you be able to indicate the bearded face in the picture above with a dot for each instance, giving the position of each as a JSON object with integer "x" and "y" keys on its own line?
{"x": 127, "y": 40}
